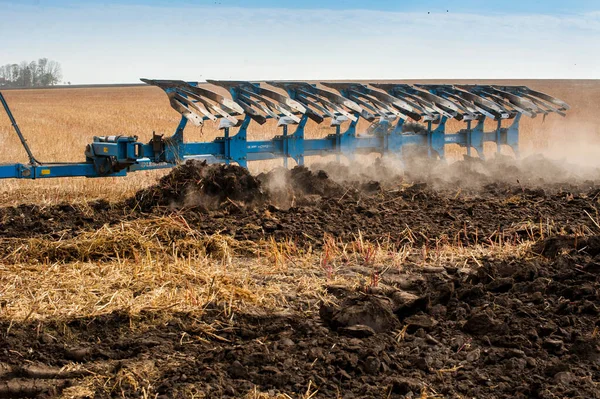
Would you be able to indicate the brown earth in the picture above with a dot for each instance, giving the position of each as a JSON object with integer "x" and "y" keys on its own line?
{"x": 522, "y": 327}
{"x": 462, "y": 203}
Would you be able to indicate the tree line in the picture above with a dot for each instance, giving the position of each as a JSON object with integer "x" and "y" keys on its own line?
{"x": 40, "y": 73}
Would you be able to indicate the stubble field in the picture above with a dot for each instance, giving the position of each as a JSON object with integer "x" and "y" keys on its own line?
{"x": 362, "y": 280}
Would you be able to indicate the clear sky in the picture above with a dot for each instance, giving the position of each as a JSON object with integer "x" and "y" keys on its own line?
{"x": 114, "y": 41}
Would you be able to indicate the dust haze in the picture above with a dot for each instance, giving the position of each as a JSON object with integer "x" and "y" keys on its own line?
{"x": 568, "y": 156}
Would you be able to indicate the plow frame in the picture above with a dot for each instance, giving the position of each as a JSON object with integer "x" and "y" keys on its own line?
{"x": 119, "y": 155}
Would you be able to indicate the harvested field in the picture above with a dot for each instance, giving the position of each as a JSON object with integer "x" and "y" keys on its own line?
{"x": 474, "y": 279}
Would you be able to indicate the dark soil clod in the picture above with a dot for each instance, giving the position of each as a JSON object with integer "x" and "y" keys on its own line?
{"x": 362, "y": 310}
{"x": 198, "y": 184}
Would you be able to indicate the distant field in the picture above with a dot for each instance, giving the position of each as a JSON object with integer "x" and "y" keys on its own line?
{"x": 58, "y": 123}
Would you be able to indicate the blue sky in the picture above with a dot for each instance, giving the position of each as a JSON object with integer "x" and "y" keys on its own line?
{"x": 120, "y": 41}
{"x": 460, "y": 6}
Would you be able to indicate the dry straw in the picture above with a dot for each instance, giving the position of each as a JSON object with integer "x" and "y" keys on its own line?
{"x": 137, "y": 272}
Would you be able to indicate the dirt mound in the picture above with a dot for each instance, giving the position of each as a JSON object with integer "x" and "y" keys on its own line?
{"x": 304, "y": 180}
{"x": 198, "y": 184}
{"x": 299, "y": 186}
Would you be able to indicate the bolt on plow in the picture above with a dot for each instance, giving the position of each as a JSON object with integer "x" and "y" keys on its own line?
{"x": 402, "y": 116}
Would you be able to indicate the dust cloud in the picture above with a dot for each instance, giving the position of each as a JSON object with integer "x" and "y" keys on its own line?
{"x": 573, "y": 164}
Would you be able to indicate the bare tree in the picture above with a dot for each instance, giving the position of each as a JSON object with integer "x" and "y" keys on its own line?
{"x": 53, "y": 73}
{"x": 42, "y": 73}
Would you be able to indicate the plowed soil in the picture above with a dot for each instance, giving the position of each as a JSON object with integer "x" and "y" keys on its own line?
{"x": 304, "y": 205}
{"x": 526, "y": 327}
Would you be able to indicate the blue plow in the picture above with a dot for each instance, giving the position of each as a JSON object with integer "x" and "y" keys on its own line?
{"x": 401, "y": 117}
